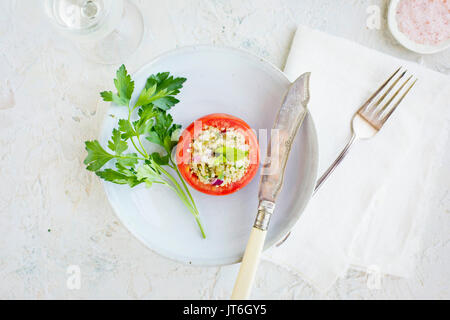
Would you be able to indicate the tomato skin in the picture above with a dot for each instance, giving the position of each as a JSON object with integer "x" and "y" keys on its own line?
{"x": 221, "y": 121}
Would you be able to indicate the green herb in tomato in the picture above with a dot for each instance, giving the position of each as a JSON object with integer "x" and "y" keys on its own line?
{"x": 154, "y": 124}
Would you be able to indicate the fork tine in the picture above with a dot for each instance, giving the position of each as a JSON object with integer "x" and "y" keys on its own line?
{"x": 380, "y": 110}
{"x": 398, "y": 102}
{"x": 376, "y": 104}
{"x": 378, "y": 91}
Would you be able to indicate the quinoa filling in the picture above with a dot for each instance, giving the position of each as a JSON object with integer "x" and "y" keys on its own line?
{"x": 219, "y": 157}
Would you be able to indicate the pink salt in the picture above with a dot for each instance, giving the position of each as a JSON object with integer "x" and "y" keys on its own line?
{"x": 424, "y": 21}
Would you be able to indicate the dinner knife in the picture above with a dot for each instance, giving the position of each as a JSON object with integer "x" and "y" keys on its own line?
{"x": 289, "y": 119}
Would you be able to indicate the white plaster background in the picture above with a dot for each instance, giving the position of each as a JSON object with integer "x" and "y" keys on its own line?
{"x": 49, "y": 106}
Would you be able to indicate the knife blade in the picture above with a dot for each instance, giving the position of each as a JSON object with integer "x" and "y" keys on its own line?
{"x": 289, "y": 119}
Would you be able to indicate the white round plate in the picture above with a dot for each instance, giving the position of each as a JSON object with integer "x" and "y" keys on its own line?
{"x": 218, "y": 80}
{"x": 404, "y": 40}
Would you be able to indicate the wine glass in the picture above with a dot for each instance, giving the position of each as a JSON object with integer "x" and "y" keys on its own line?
{"x": 104, "y": 31}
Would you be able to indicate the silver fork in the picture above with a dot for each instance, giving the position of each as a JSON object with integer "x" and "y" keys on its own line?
{"x": 370, "y": 118}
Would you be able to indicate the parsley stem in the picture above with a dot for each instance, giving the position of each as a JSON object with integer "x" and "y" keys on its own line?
{"x": 144, "y": 154}
{"x": 143, "y": 149}
{"x": 137, "y": 149}
{"x": 194, "y": 211}
{"x": 199, "y": 223}
{"x": 175, "y": 182}
{"x": 125, "y": 157}
{"x": 191, "y": 206}
{"x": 174, "y": 167}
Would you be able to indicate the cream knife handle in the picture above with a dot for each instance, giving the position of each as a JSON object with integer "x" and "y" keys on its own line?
{"x": 250, "y": 261}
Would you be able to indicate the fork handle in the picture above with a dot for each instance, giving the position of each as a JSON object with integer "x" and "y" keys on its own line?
{"x": 326, "y": 175}
{"x": 335, "y": 163}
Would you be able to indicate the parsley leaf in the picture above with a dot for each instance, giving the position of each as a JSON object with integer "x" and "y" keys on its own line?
{"x": 97, "y": 156}
{"x": 157, "y": 79}
{"x": 145, "y": 113}
{"x": 163, "y": 129}
{"x": 107, "y": 95}
{"x": 116, "y": 143}
{"x": 149, "y": 174}
{"x": 166, "y": 82}
{"x": 163, "y": 122}
{"x": 162, "y": 161}
{"x": 124, "y": 86}
{"x": 146, "y": 96}
{"x": 129, "y": 160}
{"x": 165, "y": 103}
{"x": 162, "y": 88}
{"x": 169, "y": 141}
{"x": 126, "y": 128}
{"x": 154, "y": 137}
{"x": 124, "y": 177}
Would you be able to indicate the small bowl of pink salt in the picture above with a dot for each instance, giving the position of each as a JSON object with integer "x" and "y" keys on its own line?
{"x": 422, "y": 26}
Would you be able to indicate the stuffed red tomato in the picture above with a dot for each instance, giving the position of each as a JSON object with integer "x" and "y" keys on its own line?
{"x": 218, "y": 154}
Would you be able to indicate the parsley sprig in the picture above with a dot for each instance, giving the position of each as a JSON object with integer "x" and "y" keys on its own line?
{"x": 154, "y": 124}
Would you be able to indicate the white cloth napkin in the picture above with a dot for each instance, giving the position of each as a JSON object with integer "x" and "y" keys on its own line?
{"x": 369, "y": 214}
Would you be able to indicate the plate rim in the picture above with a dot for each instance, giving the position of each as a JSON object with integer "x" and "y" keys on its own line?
{"x": 314, "y": 139}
